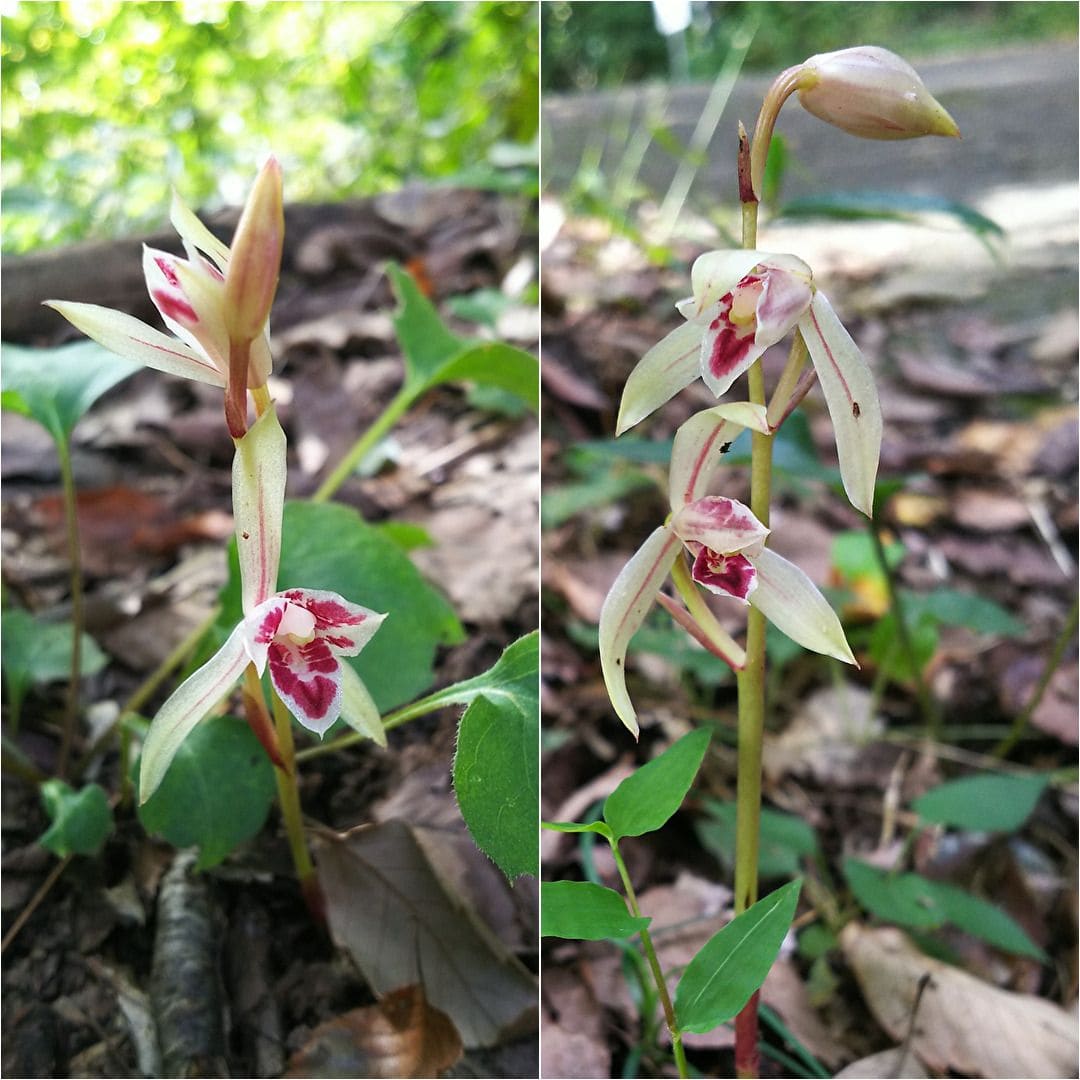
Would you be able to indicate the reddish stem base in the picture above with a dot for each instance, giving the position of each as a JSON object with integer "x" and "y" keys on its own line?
{"x": 747, "y": 1056}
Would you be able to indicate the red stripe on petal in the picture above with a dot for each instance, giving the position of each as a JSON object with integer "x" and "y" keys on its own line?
{"x": 166, "y": 267}
{"x": 174, "y": 307}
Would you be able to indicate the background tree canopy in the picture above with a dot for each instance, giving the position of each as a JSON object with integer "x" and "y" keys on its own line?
{"x": 107, "y": 104}
{"x": 588, "y": 45}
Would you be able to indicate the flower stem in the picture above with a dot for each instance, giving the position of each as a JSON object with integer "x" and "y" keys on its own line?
{"x": 289, "y": 798}
{"x": 386, "y": 420}
{"x": 71, "y": 515}
{"x": 1053, "y": 662}
{"x": 654, "y": 966}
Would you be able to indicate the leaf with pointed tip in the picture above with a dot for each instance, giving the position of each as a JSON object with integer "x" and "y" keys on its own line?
{"x": 81, "y": 820}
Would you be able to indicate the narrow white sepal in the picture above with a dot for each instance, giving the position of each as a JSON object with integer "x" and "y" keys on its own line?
{"x": 794, "y": 604}
{"x": 195, "y": 234}
{"x": 696, "y": 454}
{"x": 358, "y": 708}
{"x": 189, "y": 703}
{"x": 671, "y": 364}
{"x": 624, "y": 610}
{"x": 851, "y": 396}
{"x": 133, "y": 339}
{"x": 258, "y": 489}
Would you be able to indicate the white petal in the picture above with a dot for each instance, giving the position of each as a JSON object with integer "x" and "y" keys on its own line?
{"x": 852, "y": 399}
{"x": 624, "y": 611}
{"x": 358, "y": 708}
{"x": 725, "y": 526}
{"x": 671, "y": 364}
{"x": 132, "y": 339}
{"x": 716, "y": 273}
{"x": 348, "y": 627}
{"x": 195, "y": 234}
{"x": 190, "y": 702}
{"x": 697, "y": 453}
{"x": 794, "y": 604}
{"x": 258, "y": 486}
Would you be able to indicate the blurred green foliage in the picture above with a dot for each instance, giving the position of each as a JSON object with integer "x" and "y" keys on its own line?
{"x": 590, "y": 45}
{"x": 107, "y": 104}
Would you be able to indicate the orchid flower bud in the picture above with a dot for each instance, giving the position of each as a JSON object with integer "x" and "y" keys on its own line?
{"x": 873, "y": 93}
{"x": 255, "y": 261}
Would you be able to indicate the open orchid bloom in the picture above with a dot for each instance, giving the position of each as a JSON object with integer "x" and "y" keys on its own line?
{"x": 205, "y": 298}
{"x": 727, "y": 545}
{"x": 743, "y": 302}
{"x": 300, "y": 635}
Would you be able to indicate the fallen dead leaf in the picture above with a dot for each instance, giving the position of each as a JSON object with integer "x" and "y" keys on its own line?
{"x": 896, "y": 1063}
{"x": 573, "y": 1040}
{"x": 963, "y": 1023}
{"x": 825, "y": 736}
{"x": 401, "y": 1036}
{"x": 990, "y": 511}
{"x": 389, "y": 910}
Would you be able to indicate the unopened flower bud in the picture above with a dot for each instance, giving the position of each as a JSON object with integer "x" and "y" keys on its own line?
{"x": 255, "y": 260}
{"x": 872, "y": 93}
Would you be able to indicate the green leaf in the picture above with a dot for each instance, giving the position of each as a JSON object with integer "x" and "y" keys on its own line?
{"x": 987, "y": 803}
{"x": 984, "y": 921}
{"x": 559, "y": 504}
{"x": 649, "y": 796}
{"x": 497, "y": 763}
{"x": 434, "y": 355}
{"x": 406, "y": 535}
{"x": 915, "y": 901}
{"x": 600, "y": 827}
{"x": 907, "y": 899}
{"x": 954, "y": 608}
{"x": 733, "y": 963}
{"x": 217, "y": 792}
{"x": 56, "y": 387}
{"x": 854, "y": 555}
{"x": 891, "y": 206}
{"x": 784, "y": 838}
{"x": 426, "y": 342}
{"x": 585, "y": 912}
{"x": 329, "y": 546}
{"x": 81, "y": 820}
{"x": 33, "y": 651}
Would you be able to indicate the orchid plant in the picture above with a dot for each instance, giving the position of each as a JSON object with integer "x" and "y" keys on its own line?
{"x": 216, "y": 300}
{"x": 743, "y": 302}
{"x": 217, "y": 303}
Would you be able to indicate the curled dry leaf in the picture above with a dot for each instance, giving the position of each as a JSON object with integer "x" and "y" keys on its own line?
{"x": 400, "y": 1036}
{"x": 896, "y": 1063}
{"x": 963, "y": 1023}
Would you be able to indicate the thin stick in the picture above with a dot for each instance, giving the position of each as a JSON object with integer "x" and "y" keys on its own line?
{"x": 71, "y": 515}
{"x": 35, "y": 901}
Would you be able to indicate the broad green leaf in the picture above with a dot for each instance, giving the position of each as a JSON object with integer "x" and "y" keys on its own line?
{"x": 784, "y": 838}
{"x": 56, "y": 387}
{"x": 907, "y": 899}
{"x": 954, "y": 608}
{"x": 406, "y": 535}
{"x": 854, "y": 556}
{"x": 888, "y": 654}
{"x": 426, "y": 342}
{"x": 983, "y": 920}
{"x": 34, "y": 651}
{"x": 217, "y": 792}
{"x": 484, "y": 306}
{"x": 434, "y": 355}
{"x": 987, "y": 803}
{"x": 81, "y": 820}
{"x": 733, "y": 963}
{"x": 494, "y": 364}
{"x": 329, "y": 546}
{"x": 915, "y": 901}
{"x": 599, "y": 827}
{"x": 585, "y": 912}
{"x": 647, "y": 798}
{"x": 497, "y": 763}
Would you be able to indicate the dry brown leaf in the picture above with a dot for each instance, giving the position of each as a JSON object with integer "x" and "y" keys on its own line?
{"x": 573, "y": 1040}
{"x": 990, "y": 511}
{"x": 825, "y": 737}
{"x": 390, "y": 911}
{"x": 963, "y": 1023}
{"x": 401, "y": 1036}
{"x": 896, "y": 1063}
